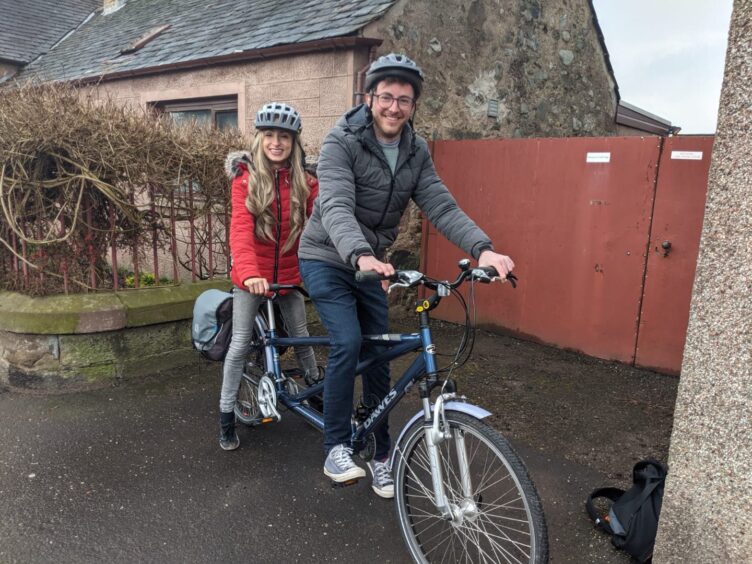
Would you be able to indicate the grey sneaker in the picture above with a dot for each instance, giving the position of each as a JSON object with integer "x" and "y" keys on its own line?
{"x": 383, "y": 484}
{"x": 339, "y": 465}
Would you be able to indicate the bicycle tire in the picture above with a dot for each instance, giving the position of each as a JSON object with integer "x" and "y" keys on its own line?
{"x": 509, "y": 526}
{"x": 247, "y": 409}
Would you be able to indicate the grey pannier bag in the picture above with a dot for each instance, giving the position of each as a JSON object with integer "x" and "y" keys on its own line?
{"x": 211, "y": 329}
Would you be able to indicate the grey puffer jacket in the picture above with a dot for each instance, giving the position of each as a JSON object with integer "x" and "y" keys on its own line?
{"x": 360, "y": 201}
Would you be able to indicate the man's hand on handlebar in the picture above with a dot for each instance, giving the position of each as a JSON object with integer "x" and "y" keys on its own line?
{"x": 502, "y": 263}
{"x": 370, "y": 263}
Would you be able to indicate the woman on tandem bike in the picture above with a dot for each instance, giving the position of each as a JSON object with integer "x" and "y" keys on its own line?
{"x": 272, "y": 196}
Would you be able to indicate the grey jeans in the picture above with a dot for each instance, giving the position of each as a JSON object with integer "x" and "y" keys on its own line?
{"x": 244, "y": 308}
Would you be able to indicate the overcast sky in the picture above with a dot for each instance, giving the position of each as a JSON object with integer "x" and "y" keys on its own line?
{"x": 668, "y": 56}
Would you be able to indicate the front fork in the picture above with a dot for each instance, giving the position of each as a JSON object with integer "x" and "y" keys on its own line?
{"x": 437, "y": 431}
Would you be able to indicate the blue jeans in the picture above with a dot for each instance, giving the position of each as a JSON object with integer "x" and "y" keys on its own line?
{"x": 348, "y": 310}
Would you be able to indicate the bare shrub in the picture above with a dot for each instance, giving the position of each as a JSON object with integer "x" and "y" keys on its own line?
{"x": 82, "y": 176}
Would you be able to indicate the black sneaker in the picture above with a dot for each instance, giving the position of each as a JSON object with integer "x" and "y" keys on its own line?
{"x": 228, "y": 437}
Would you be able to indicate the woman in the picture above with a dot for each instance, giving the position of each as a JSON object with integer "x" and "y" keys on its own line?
{"x": 272, "y": 196}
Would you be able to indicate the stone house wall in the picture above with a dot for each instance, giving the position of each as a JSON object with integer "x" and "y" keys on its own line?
{"x": 542, "y": 62}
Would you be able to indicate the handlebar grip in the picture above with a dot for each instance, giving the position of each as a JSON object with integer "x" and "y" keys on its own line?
{"x": 368, "y": 276}
{"x": 490, "y": 270}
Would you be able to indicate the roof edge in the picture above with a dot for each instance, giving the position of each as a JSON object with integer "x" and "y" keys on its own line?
{"x": 632, "y": 116}
{"x": 7, "y": 61}
{"x": 334, "y": 43}
{"x": 606, "y": 56}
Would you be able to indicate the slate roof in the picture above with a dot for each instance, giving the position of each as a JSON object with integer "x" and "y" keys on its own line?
{"x": 30, "y": 27}
{"x": 200, "y": 29}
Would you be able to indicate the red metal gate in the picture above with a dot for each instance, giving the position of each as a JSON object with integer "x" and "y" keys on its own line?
{"x": 677, "y": 221}
{"x": 575, "y": 215}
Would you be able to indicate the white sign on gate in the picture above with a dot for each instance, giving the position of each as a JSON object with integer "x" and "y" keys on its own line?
{"x": 687, "y": 155}
{"x": 598, "y": 158}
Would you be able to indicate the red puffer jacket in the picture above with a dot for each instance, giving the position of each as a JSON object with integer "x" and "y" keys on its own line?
{"x": 253, "y": 257}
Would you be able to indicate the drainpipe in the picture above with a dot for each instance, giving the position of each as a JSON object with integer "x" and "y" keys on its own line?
{"x": 359, "y": 95}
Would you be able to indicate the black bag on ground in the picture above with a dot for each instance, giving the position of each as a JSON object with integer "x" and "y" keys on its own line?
{"x": 632, "y": 520}
{"x": 211, "y": 329}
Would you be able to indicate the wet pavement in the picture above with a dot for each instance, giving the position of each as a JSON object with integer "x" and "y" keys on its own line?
{"x": 134, "y": 474}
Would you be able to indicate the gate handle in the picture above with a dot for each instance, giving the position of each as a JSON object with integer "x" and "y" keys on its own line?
{"x": 666, "y": 248}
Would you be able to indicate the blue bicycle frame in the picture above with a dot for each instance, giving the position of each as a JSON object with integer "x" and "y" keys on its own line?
{"x": 396, "y": 345}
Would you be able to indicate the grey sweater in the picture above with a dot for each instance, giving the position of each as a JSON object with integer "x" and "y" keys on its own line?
{"x": 360, "y": 201}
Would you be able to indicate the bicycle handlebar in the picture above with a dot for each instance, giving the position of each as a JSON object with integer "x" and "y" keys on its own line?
{"x": 277, "y": 287}
{"x": 409, "y": 278}
{"x": 370, "y": 275}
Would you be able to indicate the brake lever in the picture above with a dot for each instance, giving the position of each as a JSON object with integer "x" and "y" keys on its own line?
{"x": 397, "y": 285}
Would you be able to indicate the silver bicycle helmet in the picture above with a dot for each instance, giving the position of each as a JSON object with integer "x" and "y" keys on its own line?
{"x": 278, "y": 115}
{"x": 397, "y": 66}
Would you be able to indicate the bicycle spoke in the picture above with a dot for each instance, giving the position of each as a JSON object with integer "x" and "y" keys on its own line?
{"x": 495, "y": 530}
{"x": 498, "y": 548}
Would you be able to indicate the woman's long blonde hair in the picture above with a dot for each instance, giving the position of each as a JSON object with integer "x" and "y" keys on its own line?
{"x": 261, "y": 192}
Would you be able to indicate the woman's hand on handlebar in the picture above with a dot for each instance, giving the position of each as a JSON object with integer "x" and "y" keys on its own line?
{"x": 257, "y": 286}
{"x": 371, "y": 263}
{"x": 502, "y": 263}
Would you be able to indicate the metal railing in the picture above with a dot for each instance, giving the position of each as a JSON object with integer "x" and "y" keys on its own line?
{"x": 175, "y": 234}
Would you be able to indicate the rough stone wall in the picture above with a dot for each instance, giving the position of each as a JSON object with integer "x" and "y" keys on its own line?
{"x": 708, "y": 499}
{"x": 541, "y": 61}
{"x": 49, "y": 362}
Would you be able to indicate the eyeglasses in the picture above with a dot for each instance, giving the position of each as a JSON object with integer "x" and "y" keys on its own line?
{"x": 386, "y": 100}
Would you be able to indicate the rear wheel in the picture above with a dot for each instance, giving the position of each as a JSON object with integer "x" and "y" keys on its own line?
{"x": 247, "y": 408}
{"x": 501, "y": 521}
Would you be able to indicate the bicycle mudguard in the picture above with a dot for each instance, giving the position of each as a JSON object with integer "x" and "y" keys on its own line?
{"x": 468, "y": 408}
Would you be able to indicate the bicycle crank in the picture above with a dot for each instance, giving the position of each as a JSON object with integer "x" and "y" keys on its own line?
{"x": 267, "y": 399}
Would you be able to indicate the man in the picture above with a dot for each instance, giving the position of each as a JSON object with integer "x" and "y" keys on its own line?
{"x": 371, "y": 164}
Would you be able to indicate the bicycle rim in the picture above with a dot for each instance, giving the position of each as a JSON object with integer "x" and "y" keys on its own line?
{"x": 247, "y": 409}
{"x": 508, "y": 525}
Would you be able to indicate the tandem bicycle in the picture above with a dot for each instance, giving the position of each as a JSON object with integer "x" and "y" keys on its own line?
{"x": 462, "y": 494}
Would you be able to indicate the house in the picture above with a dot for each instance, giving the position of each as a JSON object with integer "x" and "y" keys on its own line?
{"x": 492, "y": 69}
{"x": 29, "y": 29}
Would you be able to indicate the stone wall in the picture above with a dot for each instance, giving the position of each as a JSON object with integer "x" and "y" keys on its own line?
{"x": 708, "y": 499}
{"x": 96, "y": 339}
{"x": 542, "y": 62}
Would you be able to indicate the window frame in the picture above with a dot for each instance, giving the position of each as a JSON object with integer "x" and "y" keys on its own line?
{"x": 215, "y": 105}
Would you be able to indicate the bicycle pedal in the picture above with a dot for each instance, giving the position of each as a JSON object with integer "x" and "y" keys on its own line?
{"x": 345, "y": 484}
{"x": 265, "y": 420}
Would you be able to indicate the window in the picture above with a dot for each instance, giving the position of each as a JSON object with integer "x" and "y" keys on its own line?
{"x": 221, "y": 113}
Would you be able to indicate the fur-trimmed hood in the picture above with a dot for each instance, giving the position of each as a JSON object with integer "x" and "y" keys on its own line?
{"x": 236, "y": 161}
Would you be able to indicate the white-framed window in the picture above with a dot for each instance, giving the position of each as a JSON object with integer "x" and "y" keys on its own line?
{"x": 220, "y": 112}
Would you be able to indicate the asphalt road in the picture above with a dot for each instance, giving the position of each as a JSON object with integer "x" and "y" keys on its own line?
{"x": 134, "y": 474}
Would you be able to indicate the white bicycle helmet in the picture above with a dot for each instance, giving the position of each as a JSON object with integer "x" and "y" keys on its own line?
{"x": 397, "y": 66}
{"x": 278, "y": 115}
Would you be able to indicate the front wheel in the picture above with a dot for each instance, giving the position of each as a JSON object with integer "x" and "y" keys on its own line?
{"x": 500, "y": 521}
